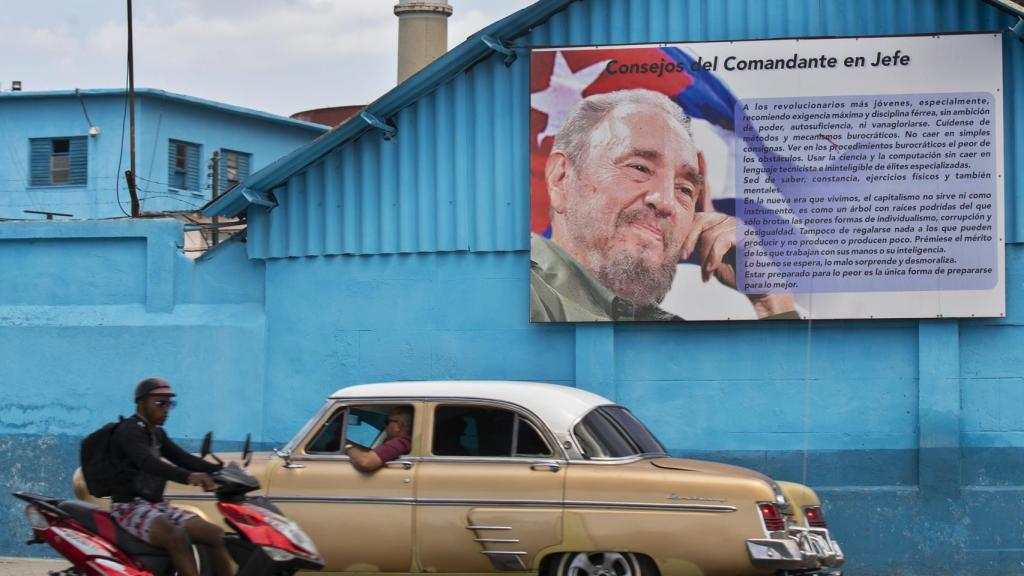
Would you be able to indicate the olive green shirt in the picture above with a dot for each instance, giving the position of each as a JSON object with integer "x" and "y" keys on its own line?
{"x": 562, "y": 290}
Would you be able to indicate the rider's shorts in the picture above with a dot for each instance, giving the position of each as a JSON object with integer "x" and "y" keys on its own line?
{"x": 137, "y": 516}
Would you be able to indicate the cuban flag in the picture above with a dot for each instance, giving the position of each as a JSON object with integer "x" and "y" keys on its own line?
{"x": 560, "y": 79}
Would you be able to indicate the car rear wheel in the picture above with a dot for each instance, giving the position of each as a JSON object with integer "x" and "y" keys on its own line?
{"x": 604, "y": 564}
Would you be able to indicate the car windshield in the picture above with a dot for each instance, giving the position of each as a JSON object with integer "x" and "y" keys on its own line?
{"x": 613, "y": 432}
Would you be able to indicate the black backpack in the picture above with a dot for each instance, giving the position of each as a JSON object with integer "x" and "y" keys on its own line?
{"x": 97, "y": 458}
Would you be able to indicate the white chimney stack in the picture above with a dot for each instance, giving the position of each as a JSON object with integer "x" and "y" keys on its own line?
{"x": 422, "y": 34}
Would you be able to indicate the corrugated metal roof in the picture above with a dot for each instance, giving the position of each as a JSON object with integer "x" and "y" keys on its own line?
{"x": 456, "y": 175}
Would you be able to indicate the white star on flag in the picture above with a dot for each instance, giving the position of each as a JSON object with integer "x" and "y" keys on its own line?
{"x": 564, "y": 91}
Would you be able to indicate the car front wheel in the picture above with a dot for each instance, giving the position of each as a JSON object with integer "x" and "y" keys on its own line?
{"x": 604, "y": 564}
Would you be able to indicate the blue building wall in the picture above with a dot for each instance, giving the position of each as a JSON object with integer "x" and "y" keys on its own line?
{"x": 413, "y": 250}
{"x": 89, "y": 308}
{"x": 159, "y": 116}
{"x": 407, "y": 259}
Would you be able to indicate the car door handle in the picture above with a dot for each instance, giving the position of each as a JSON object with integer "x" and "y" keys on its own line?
{"x": 549, "y": 466}
{"x": 403, "y": 464}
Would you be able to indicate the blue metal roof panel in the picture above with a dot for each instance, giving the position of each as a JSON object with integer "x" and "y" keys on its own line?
{"x": 455, "y": 177}
{"x": 426, "y": 80}
{"x": 165, "y": 95}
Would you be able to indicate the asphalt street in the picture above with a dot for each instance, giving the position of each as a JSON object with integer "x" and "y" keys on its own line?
{"x": 11, "y": 566}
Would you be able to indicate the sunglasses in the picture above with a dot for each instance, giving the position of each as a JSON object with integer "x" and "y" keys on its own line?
{"x": 165, "y": 403}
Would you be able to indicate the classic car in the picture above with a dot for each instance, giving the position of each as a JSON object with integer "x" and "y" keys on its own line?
{"x": 527, "y": 477}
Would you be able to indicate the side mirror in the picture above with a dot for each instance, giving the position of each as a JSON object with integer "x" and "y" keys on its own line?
{"x": 247, "y": 450}
{"x": 205, "y": 451}
{"x": 207, "y": 441}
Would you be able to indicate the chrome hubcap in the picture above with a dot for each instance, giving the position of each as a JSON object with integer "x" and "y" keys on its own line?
{"x": 599, "y": 564}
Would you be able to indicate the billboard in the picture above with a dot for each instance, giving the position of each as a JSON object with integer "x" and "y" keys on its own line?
{"x": 773, "y": 179}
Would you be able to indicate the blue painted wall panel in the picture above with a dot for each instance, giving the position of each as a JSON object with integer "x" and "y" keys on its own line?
{"x": 36, "y": 271}
{"x": 386, "y": 317}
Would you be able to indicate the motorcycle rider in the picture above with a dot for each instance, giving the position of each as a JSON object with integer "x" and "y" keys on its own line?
{"x": 146, "y": 460}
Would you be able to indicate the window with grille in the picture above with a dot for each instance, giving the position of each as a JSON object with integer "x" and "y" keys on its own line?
{"x": 59, "y": 161}
{"x": 183, "y": 165}
{"x": 234, "y": 168}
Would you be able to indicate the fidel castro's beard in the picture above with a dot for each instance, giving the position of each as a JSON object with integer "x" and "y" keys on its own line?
{"x": 626, "y": 274}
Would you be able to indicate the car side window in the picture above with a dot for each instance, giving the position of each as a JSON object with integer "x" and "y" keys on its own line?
{"x": 461, "y": 430}
{"x": 363, "y": 425}
{"x": 328, "y": 439}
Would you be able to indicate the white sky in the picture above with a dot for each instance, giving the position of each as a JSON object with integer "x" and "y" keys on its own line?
{"x": 280, "y": 56}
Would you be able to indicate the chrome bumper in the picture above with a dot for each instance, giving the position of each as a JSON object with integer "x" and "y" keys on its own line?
{"x": 798, "y": 549}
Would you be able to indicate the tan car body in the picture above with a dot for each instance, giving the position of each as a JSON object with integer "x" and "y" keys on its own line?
{"x": 445, "y": 514}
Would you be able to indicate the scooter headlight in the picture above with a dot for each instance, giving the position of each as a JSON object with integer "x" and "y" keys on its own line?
{"x": 292, "y": 532}
{"x": 278, "y": 555}
{"x": 36, "y": 518}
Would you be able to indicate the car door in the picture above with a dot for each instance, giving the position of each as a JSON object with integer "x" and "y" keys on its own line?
{"x": 489, "y": 489}
{"x": 360, "y": 522}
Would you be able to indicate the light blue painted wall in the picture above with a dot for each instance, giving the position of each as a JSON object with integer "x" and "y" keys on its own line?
{"x": 115, "y": 301}
{"x": 89, "y": 308}
{"x": 907, "y": 429}
{"x": 336, "y": 321}
{"x": 158, "y": 118}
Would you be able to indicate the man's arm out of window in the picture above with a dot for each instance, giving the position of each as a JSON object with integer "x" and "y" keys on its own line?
{"x": 364, "y": 460}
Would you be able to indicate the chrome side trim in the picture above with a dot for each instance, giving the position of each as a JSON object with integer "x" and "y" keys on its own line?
{"x": 472, "y": 527}
{"x": 619, "y": 461}
{"x": 460, "y": 502}
{"x": 344, "y": 500}
{"x": 506, "y": 561}
{"x": 488, "y": 459}
{"x": 575, "y": 504}
{"x": 644, "y": 506}
{"x": 504, "y": 552}
{"x": 497, "y": 540}
{"x": 314, "y": 457}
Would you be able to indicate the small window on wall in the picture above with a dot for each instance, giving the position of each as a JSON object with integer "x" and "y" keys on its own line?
{"x": 234, "y": 168}
{"x": 483, "y": 431}
{"x": 183, "y": 165}
{"x": 59, "y": 161}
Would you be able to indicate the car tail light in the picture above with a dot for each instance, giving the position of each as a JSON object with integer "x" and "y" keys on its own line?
{"x": 815, "y": 519}
{"x": 772, "y": 517}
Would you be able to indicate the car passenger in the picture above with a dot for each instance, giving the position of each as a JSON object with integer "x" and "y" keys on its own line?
{"x": 398, "y": 442}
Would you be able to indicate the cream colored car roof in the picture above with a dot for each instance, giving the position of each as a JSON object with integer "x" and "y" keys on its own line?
{"x": 558, "y": 406}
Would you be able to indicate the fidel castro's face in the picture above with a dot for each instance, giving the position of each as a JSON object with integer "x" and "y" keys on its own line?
{"x": 628, "y": 209}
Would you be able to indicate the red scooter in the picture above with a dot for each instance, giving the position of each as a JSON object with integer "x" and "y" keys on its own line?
{"x": 264, "y": 541}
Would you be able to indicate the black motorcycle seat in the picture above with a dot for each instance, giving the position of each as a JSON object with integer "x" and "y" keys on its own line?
{"x": 99, "y": 521}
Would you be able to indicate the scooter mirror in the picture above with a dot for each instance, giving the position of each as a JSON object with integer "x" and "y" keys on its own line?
{"x": 207, "y": 441}
{"x": 247, "y": 450}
